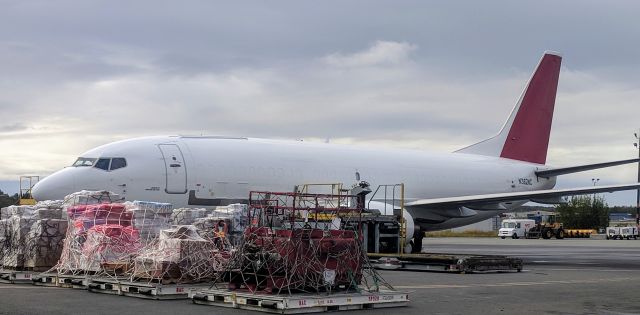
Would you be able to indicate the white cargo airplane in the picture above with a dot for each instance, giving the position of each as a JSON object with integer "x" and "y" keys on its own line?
{"x": 443, "y": 190}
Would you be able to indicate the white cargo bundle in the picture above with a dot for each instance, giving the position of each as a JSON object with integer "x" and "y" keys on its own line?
{"x": 159, "y": 208}
{"x": 50, "y": 204}
{"x": 4, "y": 213}
{"x": 187, "y": 216}
{"x": 86, "y": 197}
{"x": 16, "y": 238}
{"x": 44, "y": 243}
{"x": 180, "y": 256}
{"x": 20, "y": 211}
{"x": 237, "y": 213}
{"x": 31, "y": 235}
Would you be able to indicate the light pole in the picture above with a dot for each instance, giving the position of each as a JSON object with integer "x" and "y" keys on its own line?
{"x": 594, "y": 181}
{"x": 637, "y": 145}
{"x": 593, "y": 202}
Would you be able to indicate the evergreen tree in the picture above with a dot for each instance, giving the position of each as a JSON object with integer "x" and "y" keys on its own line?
{"x": 6, "y": 200}
{"x": 584, "y": 212}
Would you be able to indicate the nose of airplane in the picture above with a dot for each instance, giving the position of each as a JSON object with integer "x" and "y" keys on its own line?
{"x": 55, "y": 186}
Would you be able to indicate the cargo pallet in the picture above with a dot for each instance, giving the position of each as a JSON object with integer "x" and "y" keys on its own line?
{"x": 455, "y": 263}
{"x": 144, "y": 290}
{"x": 300, "y": 303}
{"x": 15, "y": 276}
{"x": 73, "y": 281}
{"x": 46, "y": 280}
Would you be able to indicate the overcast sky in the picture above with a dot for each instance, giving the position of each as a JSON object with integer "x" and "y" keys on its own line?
{"x": 411, "y": 74}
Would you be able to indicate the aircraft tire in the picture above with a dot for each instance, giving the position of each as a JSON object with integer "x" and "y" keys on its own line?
{"x": 416, "y": 243}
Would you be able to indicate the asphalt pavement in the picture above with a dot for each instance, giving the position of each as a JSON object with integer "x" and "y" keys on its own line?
{"x": 570, "y": 276}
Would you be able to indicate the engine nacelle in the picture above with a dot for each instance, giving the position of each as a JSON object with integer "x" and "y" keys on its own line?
{"x": 388, "y": 209}
{"x": 411, "y": 226}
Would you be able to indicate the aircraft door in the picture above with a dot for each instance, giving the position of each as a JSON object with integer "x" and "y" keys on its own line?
{"x": 176, "y": 169}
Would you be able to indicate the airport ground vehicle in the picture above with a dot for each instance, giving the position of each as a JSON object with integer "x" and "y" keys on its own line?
{"x": 622, "y": 232}
{"x": 515, "y": 228}
{"x": 546, "y": 227}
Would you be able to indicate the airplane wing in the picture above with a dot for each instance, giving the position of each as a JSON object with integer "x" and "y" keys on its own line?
{"x": 494, "y": 201}
{"x": 581, "y": 168}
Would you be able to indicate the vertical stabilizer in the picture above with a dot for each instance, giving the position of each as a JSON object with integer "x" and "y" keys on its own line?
{"x": 525, "y": 135}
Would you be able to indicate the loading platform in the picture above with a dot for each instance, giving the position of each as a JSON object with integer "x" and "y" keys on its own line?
{"x": 455, "y": 263}
{"x": 300, "y": 303}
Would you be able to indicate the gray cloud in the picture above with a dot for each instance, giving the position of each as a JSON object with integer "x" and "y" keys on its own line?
{"x": 76, "y": 74}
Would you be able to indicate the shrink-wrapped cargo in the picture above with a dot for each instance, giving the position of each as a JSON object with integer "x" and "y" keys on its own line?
{"x": 86, "y": 197}
{"x": 149, "y": 218}
{"x": 15, "y": 238}
{"x": 44, "y": 243}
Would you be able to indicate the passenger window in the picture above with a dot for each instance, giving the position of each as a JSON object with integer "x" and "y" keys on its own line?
{"x": 103, "y": 164}
{"x": 518, "y": 226}
{"x": 117, "y": 163}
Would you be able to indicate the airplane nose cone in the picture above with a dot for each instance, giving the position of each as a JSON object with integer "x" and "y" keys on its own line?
{"x": 55, "y": 186}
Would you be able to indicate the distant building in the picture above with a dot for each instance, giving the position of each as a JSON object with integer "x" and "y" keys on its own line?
{"x": 623, "y": 219}
{"x": 491, "y": 224}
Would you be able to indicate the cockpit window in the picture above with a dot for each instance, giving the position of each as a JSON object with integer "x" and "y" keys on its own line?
{"x": 103, "y": 164}
{"x": 83, "y": 162}
{"x": 117, "y": 163}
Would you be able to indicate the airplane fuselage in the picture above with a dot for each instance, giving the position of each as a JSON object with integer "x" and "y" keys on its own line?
{"x": 210, "y": 171}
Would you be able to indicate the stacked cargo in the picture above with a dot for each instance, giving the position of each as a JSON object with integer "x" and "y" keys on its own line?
{"x": 31, "y": 235}
{"x": 88, "y": 213}
{"x": 16, "y": 228}
{"x": 109, "y": 248}
{"x": 179, "y": 256}
{"x": 149, "y": 218}
{"x": 187, "y": 216}
{"x": 45, "y": 241}
{"x": 296, "y": 244}
{"x": 136, "y": 241}
{"x": 226, "y": 223}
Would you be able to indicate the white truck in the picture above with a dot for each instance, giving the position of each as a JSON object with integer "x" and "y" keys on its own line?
{"x": 515, "y": 228}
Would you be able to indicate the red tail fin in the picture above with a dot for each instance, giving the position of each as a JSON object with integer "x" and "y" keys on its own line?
{"x": 525, "y": 135}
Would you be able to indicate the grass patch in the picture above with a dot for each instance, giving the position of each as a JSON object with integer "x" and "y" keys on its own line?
{"x": 471, "y": 233}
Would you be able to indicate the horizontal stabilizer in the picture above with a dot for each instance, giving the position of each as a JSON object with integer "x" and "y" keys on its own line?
{"x": 581, "y": 168}
{"x": 477, "y": 201}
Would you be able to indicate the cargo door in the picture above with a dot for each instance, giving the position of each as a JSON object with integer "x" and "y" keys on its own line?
{"x": 176, "y": 169}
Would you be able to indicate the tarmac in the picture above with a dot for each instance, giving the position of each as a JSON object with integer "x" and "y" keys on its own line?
{"x": 570, "y": 276}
